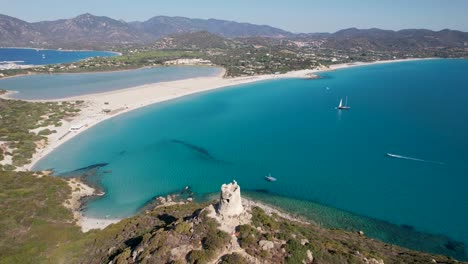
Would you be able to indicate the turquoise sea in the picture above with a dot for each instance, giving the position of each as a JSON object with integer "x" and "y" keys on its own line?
{"x": 43, "y": 56}
{"x": 331, "y": 165}
{"x": 55, "y": 86}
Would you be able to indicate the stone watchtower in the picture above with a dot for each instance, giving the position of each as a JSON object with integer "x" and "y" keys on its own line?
{"x": 230, "y": 203}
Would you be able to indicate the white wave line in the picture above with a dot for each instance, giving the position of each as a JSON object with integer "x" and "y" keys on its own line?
{"x": 414, "y": 159}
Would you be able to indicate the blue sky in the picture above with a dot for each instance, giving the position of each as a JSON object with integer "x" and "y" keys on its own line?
{"x": 292, "y": 15}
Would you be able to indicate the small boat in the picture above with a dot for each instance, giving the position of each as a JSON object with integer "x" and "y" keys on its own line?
{"x": 269, "y": 178}
{"x": 345, "y": 106}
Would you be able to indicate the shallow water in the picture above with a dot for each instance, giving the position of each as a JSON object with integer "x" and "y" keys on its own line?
{"x": 55, "y": 86}
{"x": 291, "y": 129}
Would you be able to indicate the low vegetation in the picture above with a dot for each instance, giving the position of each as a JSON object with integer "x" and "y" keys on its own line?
{"x": 35, "y": 227}
{"x": 234, "y": 258}
{"x": 33, "y": 220}
{"x": 24, "y": 127}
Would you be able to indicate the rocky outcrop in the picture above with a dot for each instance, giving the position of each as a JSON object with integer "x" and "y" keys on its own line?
{"x": 230, "y": 203}
{"x": 266, "y": 245}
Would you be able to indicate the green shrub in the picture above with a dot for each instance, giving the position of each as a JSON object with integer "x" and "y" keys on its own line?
{"x": 215, "y": 240}
{"x": 46, "y": 132}
{"x": 297, "y": 252}
{"x": 197, "y": 257}
{"x": 183, "y": 228}
{"x": 9, "y": 167}
{"x": 248, "y": 236}
{"x": 234, "y": 258}
{"x": 260, "y": 218}
{"x": 122, "y": 257}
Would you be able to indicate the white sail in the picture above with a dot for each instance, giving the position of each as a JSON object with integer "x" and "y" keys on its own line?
{"x": 341, "y": 103}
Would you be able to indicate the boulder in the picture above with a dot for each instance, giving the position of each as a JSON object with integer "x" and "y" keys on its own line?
{"x": 310, "y": 257}
{"x": 266, "y": 245}
{"x": 373, "y": 261}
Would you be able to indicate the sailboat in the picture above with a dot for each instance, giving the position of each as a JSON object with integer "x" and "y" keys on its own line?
{"x": 345, "y": 106}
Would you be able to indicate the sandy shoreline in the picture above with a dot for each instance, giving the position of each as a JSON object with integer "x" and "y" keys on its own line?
{"x": 122, "y": 101}
{"x": 79, "y": 191}
{"x": 125, "y": 100}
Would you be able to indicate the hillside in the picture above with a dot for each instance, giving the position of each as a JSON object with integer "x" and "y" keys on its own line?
{"x": 98, "y": 32}
{"x": 89, "y": 31}
{"x": 408, "y": 39}
{"x": 15, "y": 32}
{"x": 37, "y": 228}
{"x": 163, "y": 25}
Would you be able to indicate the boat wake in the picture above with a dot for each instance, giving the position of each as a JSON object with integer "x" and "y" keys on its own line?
{"x": 413, "y": 159}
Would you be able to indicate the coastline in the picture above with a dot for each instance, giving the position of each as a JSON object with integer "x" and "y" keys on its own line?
{"x": 125, "y": 100}
{"x": 95, "y": 72}
{"x": 14, "y": 66}
{"x": 92, "y": 72}
{"x": 81, "y": 190}
{"x": 70, "y": 50}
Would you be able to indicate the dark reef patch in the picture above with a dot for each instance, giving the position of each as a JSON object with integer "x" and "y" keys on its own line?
{"x": 88, "y": 170}
{"x": 408, "y": 227}
{"x": 202, "y": 152}
{"x": 90, "y": 175}
{"x": 455, "y": 246}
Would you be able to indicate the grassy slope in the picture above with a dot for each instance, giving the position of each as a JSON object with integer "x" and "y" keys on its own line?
{"x": 33, "y": 221}
{"x": 35, "y": 227}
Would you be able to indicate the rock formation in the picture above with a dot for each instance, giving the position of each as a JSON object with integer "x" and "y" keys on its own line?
{"x": 230, "y": 203}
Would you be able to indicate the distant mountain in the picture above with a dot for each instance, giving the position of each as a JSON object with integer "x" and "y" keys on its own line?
{"x": 407, "y": 39}
{"x": 89, "y": 28}
{"x": 88, "y": 31}
{"x": 162, "y": 26}
{"x": 84, "y": 31}
{"x": 15, "y": 32}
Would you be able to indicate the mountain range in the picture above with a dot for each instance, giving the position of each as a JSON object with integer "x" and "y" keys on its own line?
{"x": 89, "y": 31}
{"x": 94, "y": 32}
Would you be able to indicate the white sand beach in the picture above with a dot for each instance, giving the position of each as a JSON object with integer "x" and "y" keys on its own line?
{"x": 102, "y": 106}
{"x": 121, "y": 101}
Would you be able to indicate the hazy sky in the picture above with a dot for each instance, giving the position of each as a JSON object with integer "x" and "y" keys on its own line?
{"x": 292, "y": 15}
